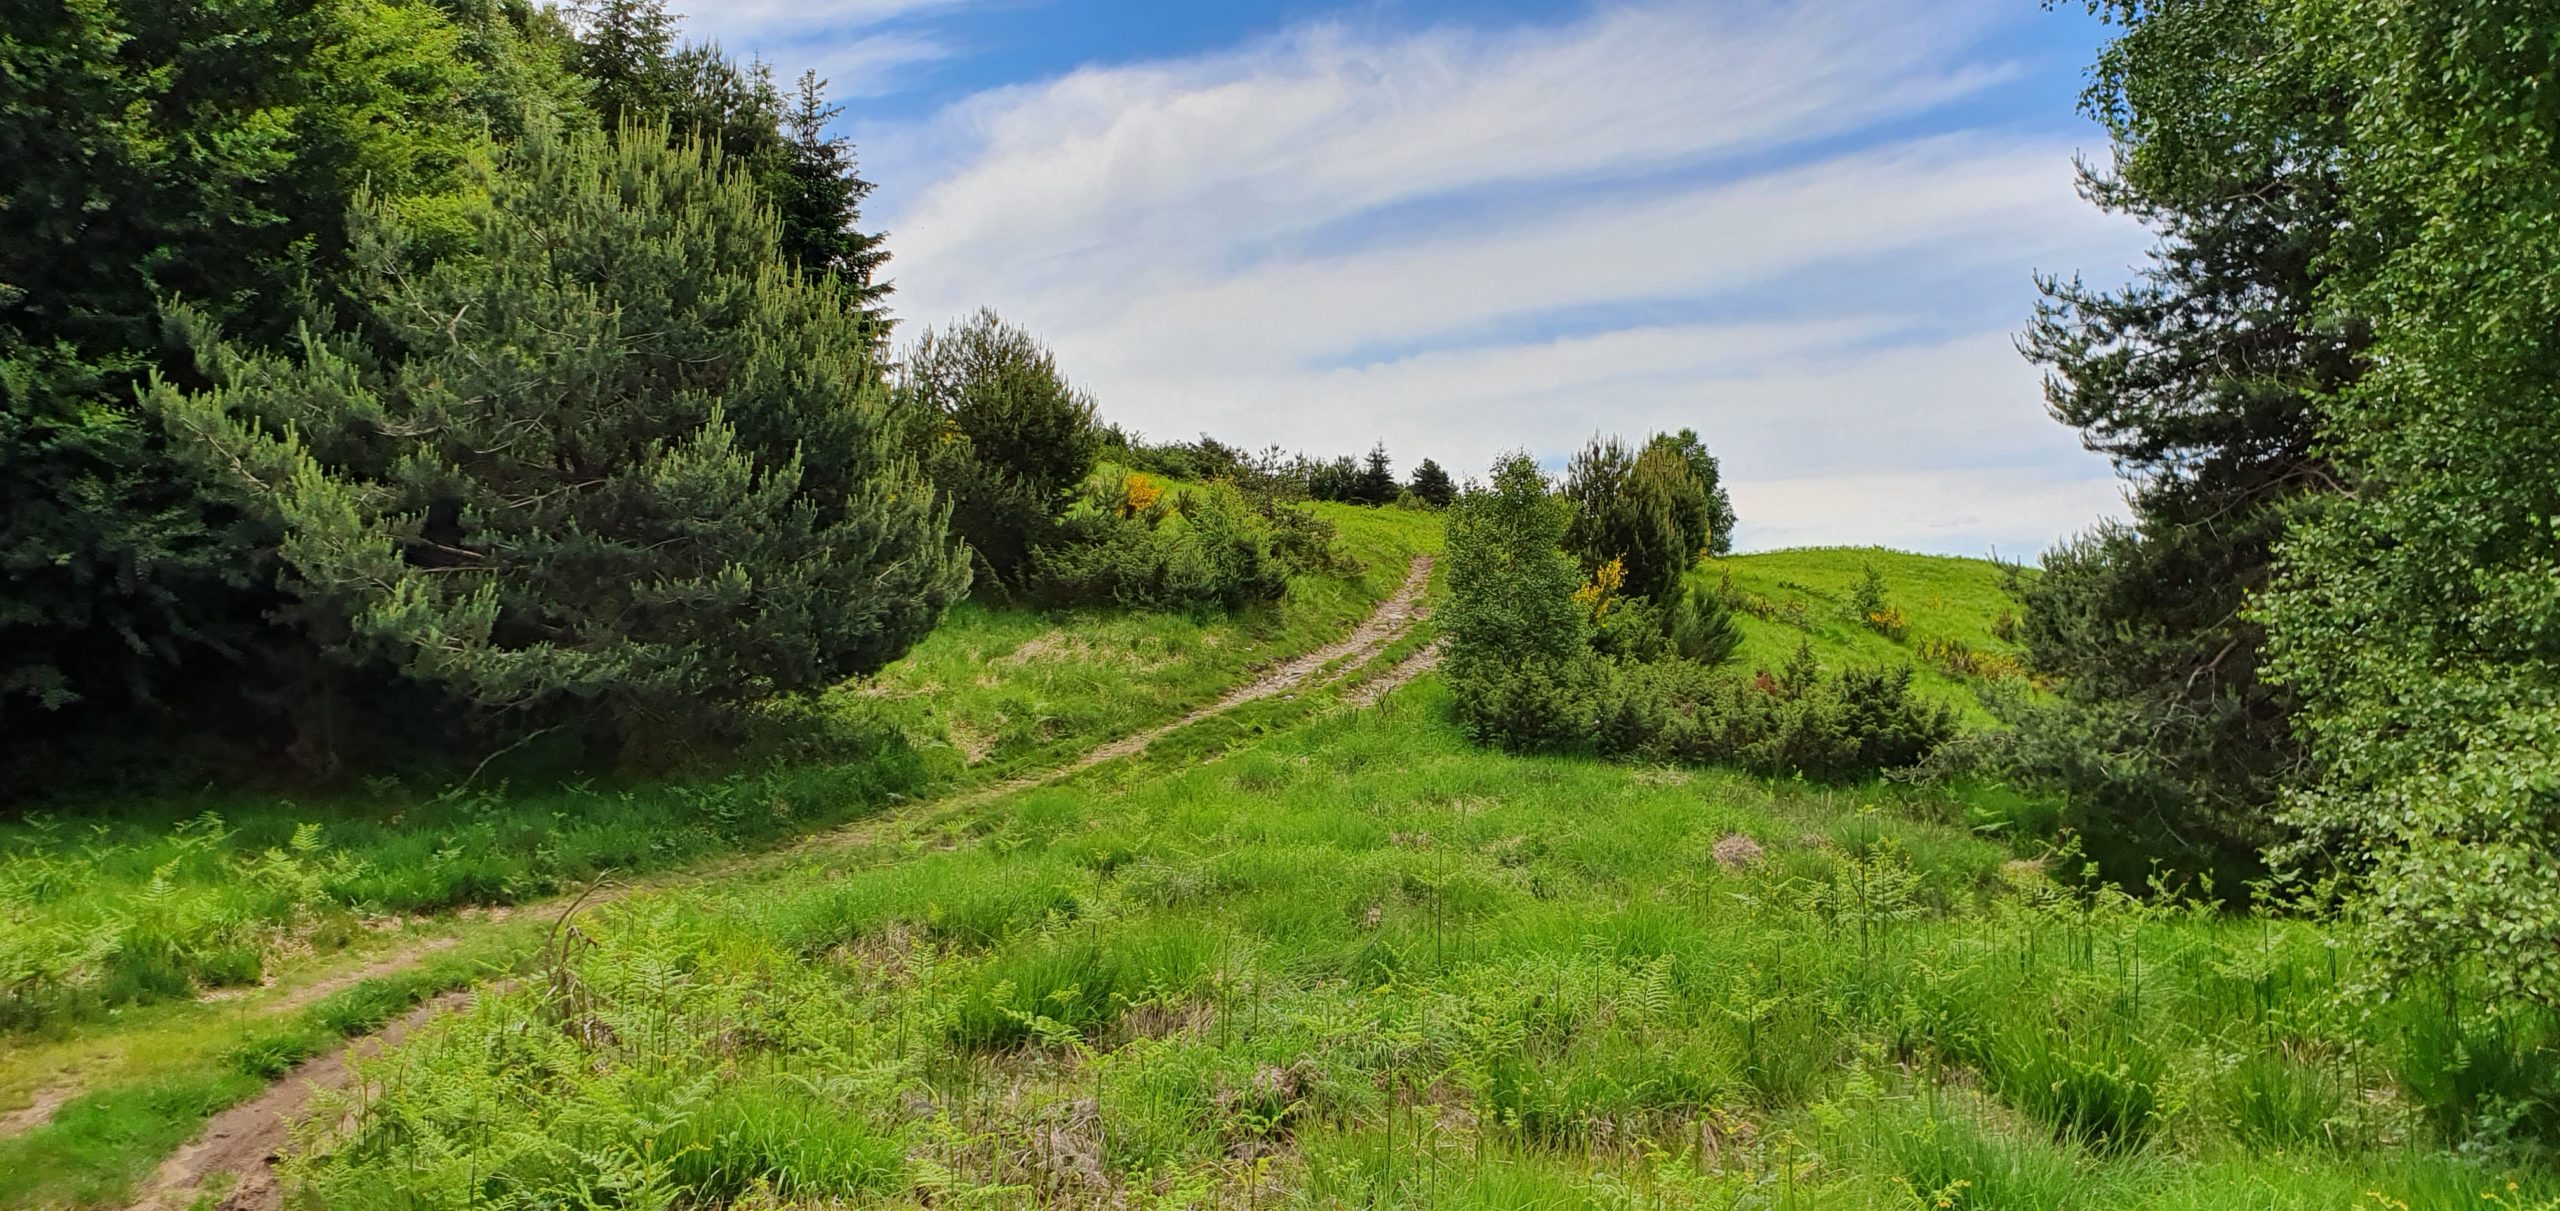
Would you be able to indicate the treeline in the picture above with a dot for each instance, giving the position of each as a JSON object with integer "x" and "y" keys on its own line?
{"x": 1574, "y": 623}
{"x": 2330, "y": 636}
{"x": 404, "y": 374}
{"x": 1342, "y": 479}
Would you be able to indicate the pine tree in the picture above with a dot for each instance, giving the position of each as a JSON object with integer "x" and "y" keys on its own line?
{"x": 1708, "y": 520}
{"x": 1433, "y": 485}
{"x": 1702, "y": 626}
{"x": 2201, "y": 381}
{"x": 1631, "y": 507}
{"x": 1334, "y": 479}
{"x": 1377, "y": 482}
{"x": 822, "y": 204}
{"x": 628, "y": 458}
{"x": 202, "y": 152}
{"x": 1007, "y": 436}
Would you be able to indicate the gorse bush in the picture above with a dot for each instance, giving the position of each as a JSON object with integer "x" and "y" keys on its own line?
{"x": 626, "y": 458}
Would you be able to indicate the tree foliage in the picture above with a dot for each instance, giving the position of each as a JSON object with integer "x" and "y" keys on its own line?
{"x": 1003, "y": 432}
{"x": 624, "y": 456}
{"x": 1433, "y": 485}
{"x": 203, "y": 152}
{"x": 2417, "y": 617}
{"x": 1644, "y": 509}
{"x": 2201, "y": 380}
{"x": 1707, "y": 518}
{"x": 1376, "y": 484}
{"x": 644, "y": 76}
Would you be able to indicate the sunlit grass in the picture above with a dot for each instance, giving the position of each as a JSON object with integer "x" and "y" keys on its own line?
{"x": 1363, "y": 963}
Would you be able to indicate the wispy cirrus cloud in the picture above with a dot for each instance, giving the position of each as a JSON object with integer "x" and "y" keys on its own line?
{"x": 1756, "y": 219}
{"x": 861, "y": 47}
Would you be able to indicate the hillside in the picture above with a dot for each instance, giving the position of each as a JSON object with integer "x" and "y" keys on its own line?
{"x": 1803, "y": 594}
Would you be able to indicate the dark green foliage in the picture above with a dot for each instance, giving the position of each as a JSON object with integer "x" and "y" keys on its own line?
{"x": 642, "y": 76}
{"x": 1377, "y": 482}
{"x": 1433, "y": 485}
{"x": 1701, "y": 626}
{"x": 2417, "y": 617}
{"x": 1511, "y": 585}
{"x": 1706, "y": 518}
{"x": 820, "y": 199}
{"x": 1197, "y": 461}
{"x": 1636, "y": 508}
{"x": 2200, "y": 380}
{"x": 1850, "y": 724}
{"x": 1519, "y": 655}
{"x": 1334, "y": 480}
{"x": 1528, "y": 670}
{"x": 1201, "y": 549}
{"x": 626, "y": 458}
{"x": 1003, "y": 433}
{"x": 177, "y": 150}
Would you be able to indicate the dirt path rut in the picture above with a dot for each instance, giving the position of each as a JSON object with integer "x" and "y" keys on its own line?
{"x": 242, "y": 1143}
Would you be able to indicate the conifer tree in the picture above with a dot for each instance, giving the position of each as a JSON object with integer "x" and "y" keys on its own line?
{"x": 202, "y": 152}
{"x": 1377, "y": 482}
{"x": 2201, "y": 380}
{"x": 1433, "y": 485}
{"x": 821, "y": 203}
{"x": 1631, "y": 507}
{"x": 1708, "y": 518}
{"x": 1003, "y": 432}
{"x": 626, "y": 457}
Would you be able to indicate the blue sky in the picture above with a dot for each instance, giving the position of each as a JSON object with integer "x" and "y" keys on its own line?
{"x": 1805, "y": 229}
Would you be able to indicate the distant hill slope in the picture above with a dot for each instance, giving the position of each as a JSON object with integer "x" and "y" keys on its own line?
{"x": 1804, "y": 594}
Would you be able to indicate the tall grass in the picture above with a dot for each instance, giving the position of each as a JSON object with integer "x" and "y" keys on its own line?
{"x": 104, "y": 905}
{"x": 1364, "y": 963}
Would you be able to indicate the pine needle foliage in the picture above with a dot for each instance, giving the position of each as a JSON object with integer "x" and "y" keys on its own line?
{"x": 625, "y": 454}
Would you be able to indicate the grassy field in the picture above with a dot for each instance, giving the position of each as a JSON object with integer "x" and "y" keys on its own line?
{"x": 1362, "y": 963}
{"x": 1803, "y": 595}
{"x": 1300, "y": 954}
{"x": 135, "y": 931}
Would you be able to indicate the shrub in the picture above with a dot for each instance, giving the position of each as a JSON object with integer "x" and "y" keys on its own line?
{"x": 1701, "y": 625}
{"x": 1853, "y": 723}
{"x": 1956, "y": 658}
{"x": 1003, "y": 434}
{"x": 1132, "y": 544}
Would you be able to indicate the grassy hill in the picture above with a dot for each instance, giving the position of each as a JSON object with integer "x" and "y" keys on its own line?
{"x": 1803, "y": 595}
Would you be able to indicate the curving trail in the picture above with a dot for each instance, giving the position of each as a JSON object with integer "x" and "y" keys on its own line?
{"x": 242, "y": 1144}
{"x": 1383, "y": 626}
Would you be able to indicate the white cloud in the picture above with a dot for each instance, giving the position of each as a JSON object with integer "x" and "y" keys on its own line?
{"x": 840, "y": 39}
{"x": 1461, "y": 241}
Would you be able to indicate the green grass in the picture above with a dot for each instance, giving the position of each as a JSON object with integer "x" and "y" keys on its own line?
{"x": 105, "y": 905}
{"x": 1359, "y": 962}
{"x": 156, "y": 1083}
{"x": 1807, "y": 593}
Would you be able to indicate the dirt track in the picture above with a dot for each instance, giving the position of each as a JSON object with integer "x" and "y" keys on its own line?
{"x": 242, "y": 1142}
